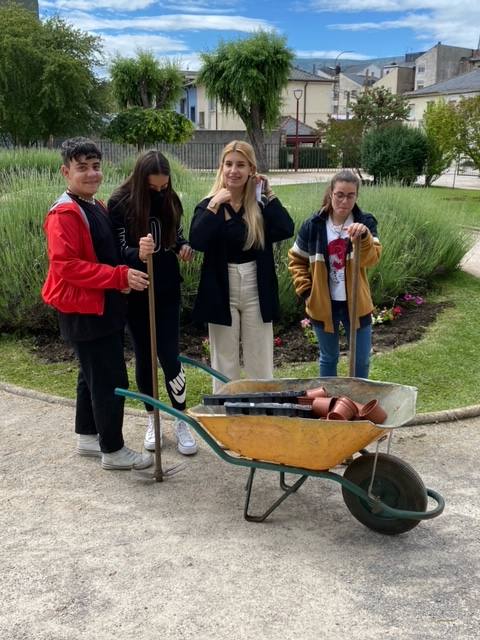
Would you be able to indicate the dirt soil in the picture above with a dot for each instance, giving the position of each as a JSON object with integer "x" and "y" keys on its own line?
{"x": 294, "y": 347}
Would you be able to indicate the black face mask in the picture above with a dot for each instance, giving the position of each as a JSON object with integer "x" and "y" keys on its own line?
{"x": 157, "y": 198}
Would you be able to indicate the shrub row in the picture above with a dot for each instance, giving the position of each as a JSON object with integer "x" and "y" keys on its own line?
{"x": 420, "y": 241}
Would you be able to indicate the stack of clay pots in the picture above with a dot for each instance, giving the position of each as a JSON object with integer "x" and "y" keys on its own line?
{"x": 341, "y": 408}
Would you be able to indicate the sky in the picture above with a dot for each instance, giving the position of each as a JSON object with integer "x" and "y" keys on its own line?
{"x": 182, "y": 29}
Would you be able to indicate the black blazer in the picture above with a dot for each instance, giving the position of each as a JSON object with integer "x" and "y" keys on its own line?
{"x": 207, "y": 234}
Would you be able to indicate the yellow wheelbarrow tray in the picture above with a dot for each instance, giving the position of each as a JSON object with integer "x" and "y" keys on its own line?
{"x": 380, "y": 490}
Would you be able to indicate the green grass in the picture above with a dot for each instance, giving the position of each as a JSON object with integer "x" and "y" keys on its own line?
{"x": 443, "y": 365}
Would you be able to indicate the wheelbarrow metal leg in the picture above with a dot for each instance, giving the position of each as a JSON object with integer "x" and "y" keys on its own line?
{"x": 283, "y": 485}
{"x": 264, "y": 516}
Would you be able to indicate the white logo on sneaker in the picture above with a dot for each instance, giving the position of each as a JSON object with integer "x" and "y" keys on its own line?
{"x": 178, "y": 387}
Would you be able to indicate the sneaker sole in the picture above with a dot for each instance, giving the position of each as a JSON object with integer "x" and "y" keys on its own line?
{"x": 151, "y": 447}
{"x": 187, "y": 451}
{"x": 118, "y": 467}
{"x": 89, "y": 454}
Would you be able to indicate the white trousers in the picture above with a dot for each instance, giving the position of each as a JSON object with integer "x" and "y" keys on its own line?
{"x": 247, "y": 327}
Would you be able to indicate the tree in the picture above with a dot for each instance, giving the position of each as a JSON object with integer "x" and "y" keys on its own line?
{"x": 344, "y": 137}
{"x": 47, "y": 81}
{"x": 145, "y": 82}
{"x": 247, "y": 77}
{"x": 468, "y": 141}
{"x": 441, "y": 125}
{"x": 147, "y": 126}
{"x": 379, "y": 106}
{"x": 395, "y": 152}
{"x": 146, "y": 92}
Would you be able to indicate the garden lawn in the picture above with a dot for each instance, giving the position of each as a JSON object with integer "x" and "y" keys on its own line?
{"x": 443, "y": 365}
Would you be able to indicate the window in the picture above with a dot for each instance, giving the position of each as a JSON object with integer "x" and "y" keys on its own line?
{"x": 192, "y": 114}
{"x": 201, "y": 119}
{"x": 411, "y": 115}
{"x": 421, "y": 68}
{"x": 212, "y": 104}
{"x": 183, "y": 104}
{"x": 353, "y": 94}
{"x": 420, "y": 85}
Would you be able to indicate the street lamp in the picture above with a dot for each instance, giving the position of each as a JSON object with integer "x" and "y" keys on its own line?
{"x": 298, "y": 93}
{"x": 336, "y": 83}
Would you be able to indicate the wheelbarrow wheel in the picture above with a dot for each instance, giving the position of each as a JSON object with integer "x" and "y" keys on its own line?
{"x": 396, "y": 484}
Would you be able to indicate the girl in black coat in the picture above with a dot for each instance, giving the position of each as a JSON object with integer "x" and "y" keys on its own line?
{"x": 235, "y": 227}
{"x": 146, "y": 214}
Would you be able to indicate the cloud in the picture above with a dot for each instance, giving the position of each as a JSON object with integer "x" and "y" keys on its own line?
{"x": 330, "y": 54}
{"x": 187, "y": 6}
{"x": 127, "y": 45}
{"x": 447, "y": 21}
{"x": 178, "y": 22}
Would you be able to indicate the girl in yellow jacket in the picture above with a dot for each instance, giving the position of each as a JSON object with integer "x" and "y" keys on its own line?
{"x": 321, "y": 264}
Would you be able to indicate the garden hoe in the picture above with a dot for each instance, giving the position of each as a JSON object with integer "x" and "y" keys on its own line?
{"x": 352, "y": 358}
{"x": 159, "y": 473}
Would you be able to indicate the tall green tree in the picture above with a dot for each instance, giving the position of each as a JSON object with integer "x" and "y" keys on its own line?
{"x": 145, "y": 82}
{"x": 441, "y": 126}
{"x": 146, "y": 91}
{"x": 468, "y": 140}
{"x": 247, "y": 77}
{"x": 344, "y": 138}
{"x": 47, "y": 82}
{"x": 379, "y": 106}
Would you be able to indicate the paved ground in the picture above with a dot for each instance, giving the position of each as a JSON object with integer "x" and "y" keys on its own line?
{"x": 88, "y": 554}
{"x": 446, "y": 180}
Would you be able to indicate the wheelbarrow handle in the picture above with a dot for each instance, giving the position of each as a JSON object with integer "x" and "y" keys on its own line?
{"x": 204, "y": 367}
{"x": 158, "y": 404}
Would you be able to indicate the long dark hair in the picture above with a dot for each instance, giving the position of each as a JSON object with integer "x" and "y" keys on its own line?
{"x": 135, "y": 194}
{"x": 342, "y": 176}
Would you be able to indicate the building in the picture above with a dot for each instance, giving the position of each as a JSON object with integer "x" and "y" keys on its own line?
{"x": 312, "y": 94}
{"x": 440, "y": 63}
{"x": 466, "y": 85}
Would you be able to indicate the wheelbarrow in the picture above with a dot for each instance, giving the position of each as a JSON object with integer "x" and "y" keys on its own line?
{"x": 380, "y": 490}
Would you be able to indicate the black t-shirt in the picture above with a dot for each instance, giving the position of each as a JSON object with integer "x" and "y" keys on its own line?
{"x": 76, "y": 327}
{"x": 235, "y": 236}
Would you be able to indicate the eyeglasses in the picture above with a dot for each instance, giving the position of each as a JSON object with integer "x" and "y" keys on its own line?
{"x": 350, "y": 197}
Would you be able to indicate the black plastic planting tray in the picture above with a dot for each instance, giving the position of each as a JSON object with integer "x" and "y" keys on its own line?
{"x": 263, "y": 397}
{"x": 268, "y": 409}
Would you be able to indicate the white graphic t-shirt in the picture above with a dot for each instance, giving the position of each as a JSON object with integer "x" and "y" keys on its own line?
{"x": 337, "y": 243}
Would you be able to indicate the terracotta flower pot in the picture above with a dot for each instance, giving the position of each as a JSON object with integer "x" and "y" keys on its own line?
{"x": 322, "y": 406}
{"x": 305, "y": 400}
{"x": 373, "y": 411}
{"x": 318, "y": 392}
{"x": 359, "y": 406}
{"x": 333, "y": 415}
{"x": 346, "y": 408}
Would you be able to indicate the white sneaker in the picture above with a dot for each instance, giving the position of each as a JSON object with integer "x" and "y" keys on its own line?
{"x": 125, "y": 458}
{"x": 88, "y": 445}
{"x": 149, "y": 440}
{"x": 185, "y": 441}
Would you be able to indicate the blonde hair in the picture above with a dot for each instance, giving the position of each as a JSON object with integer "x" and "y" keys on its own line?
{"x": 252, "y": 217}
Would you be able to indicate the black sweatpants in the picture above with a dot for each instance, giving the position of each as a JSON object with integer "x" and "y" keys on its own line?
{"x": 167, "y": 318}
{"x": 99, "y": 410}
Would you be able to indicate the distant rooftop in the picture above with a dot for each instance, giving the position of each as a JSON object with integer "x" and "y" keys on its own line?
{"x": 465, "y": 83}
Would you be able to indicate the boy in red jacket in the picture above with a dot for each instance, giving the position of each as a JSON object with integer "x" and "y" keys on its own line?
{"x": 86, "y": 284}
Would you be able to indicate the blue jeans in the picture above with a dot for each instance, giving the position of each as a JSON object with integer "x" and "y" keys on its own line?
{"x": 329, "y": 343}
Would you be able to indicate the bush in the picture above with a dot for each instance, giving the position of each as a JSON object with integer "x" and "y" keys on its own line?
{"x": 415, "y": 252}
{"x": 394, "y": 153}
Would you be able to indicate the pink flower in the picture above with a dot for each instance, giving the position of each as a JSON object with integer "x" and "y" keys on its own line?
{"x": 419, "y": 300}
{"x": 305, "y": 323}
{"x": 277, "y": 341}
{"x": 408, "y": 297}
